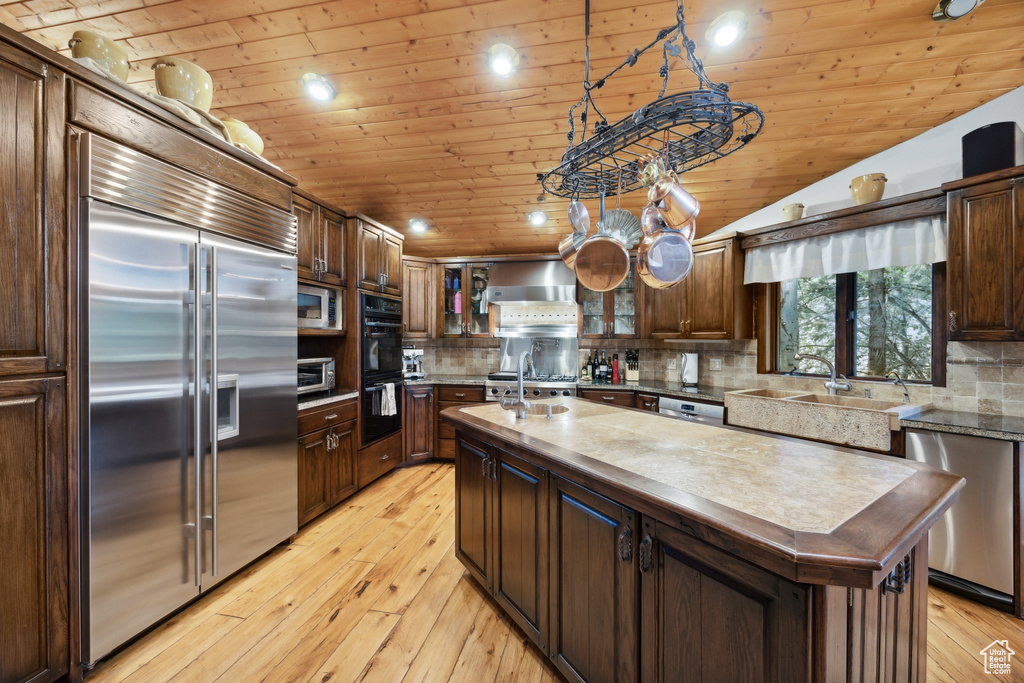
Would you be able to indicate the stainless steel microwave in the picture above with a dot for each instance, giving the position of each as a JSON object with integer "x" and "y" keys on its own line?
{"x": 316, "y": 374}
{"x": 319, "y": 308}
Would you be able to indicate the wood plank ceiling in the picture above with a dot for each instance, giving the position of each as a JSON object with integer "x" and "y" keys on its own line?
{"x": 421, "y": 128}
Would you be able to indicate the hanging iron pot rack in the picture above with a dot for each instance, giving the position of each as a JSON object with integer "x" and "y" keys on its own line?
{"x": 686, "y": 129}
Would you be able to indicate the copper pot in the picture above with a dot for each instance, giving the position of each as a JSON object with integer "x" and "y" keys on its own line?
{"x": 569, "y": 246}
{"x": 664, "y": 259}
{"x": 602, "y": 263}
{"x": 678, "y": 207}
{"x": 653, "y": 222}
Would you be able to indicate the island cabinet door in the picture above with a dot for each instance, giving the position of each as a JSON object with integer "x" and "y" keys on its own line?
{"x": 473, "y": 465}
{"x": 594, "y": 586}
{"x": 520, "y": 566}
{"x": 710, "y": 616}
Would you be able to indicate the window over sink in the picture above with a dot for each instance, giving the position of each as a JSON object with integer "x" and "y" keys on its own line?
{"x": 870, "y": 322}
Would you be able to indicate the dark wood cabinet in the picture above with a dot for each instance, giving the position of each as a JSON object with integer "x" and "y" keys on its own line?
{"x": 595, "y": 629}
{"x": 520, "y": 571}
{"x": 418, "y": 422}
{"x": 35, "y": 609}
{"x": 378, "y": 257}
{"x": 321, "y": 242}
{"x": 711, "y": 303}
{"x": 33, "y": 233}
{"x": 326, "y": 469}
{"x": 985, "y": 267}
{"x": 327, "y": 458}
{"x": 378, "y": 458}
{"x": 464, "y": 310}
{"x": 449, "y": 395}
{"x": 608, "y": 394}
{"x": 473, "y": 493}
{"x": 647, "y": 401}
{"x": 419, "y": 308}
{"x": 716, "y": 617}
{"x": 611, "y": 314}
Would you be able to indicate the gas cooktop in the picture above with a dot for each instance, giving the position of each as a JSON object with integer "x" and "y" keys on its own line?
{"x": 511, "y": 377}
{"x": 539, "y": 386}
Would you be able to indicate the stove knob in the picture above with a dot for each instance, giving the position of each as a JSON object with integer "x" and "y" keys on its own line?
{"x": 494, "y": 390}
{"x": 554, "y": 392}
{"x": 565, "y": 392}
{"x": 536, "y": 392}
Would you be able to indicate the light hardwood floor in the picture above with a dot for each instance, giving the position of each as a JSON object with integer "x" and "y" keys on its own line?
{"x": 372, "y": 592}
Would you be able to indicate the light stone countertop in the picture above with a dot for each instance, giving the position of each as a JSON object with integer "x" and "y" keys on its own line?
{"x": 985, "y": 425}
{"x": 777, "y": 481}
{"x": 339, "y": 395}
{"x": 809, "y": 512}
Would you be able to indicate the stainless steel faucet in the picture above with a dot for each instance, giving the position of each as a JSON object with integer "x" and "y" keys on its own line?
{"x": 519, "y": 403}
{"x": 832, "y": 385}
{"x": 906, "y": 394}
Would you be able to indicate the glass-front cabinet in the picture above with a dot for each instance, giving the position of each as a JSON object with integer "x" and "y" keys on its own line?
{"x": 609, "y": 315}
{"x": 465, "y": 308}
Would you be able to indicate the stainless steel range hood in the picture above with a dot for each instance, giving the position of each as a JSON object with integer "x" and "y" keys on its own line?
{"x": 531, "y": 282}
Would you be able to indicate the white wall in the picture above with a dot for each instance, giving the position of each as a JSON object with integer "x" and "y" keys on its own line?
{"x": 921, "y": 163}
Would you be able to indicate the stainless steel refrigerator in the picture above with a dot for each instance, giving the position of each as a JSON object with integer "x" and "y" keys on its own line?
{"x": 188, "y": 402}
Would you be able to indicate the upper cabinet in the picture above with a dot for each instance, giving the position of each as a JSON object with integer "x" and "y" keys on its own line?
{"x": 985, "y": 267}
{"x": 711, "y": 303}
{"x": 33, "y": 232}
{"x": 378, "y": 257}
{"x": 465, "y": 311}
{"x": 419, "y": 312}
{"x": 321, "y": 254}
{"x": 609, "y": 315}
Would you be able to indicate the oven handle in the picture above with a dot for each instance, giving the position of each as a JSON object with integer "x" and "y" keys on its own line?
{"x": 381, "y": 324}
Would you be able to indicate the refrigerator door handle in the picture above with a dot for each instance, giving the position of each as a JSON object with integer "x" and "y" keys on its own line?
{"x": 197, "y": 412}
{"x": 214, "y": 391}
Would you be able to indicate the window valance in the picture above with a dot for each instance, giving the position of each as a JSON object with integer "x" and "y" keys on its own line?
{"x": 904, "y": 243}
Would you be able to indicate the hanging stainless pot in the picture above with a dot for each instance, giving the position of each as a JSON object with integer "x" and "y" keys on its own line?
{"x": 678, "y": 207}
{"x": 579, "y": 217}
{"x": 651, "y": 220}
{"x": 602, "y": 263}
{"x": 569, "y": 247}
{"x": 664, "y": 259}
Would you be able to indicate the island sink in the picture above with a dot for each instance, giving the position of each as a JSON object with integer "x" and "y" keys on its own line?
{"x": 842, "y": 420}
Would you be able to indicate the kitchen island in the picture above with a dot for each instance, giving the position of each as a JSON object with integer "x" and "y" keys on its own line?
{"x": 633, "y": 547}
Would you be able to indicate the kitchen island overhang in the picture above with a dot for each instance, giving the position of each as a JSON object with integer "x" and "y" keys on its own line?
{"x": 846, "y": 531}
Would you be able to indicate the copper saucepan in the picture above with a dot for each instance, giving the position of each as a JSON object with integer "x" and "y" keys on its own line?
{"x": 569, "y": 246}
{"x": 602, "y": 263}
{"x": 664, "y": 259}
{"x": 678, "y": 207}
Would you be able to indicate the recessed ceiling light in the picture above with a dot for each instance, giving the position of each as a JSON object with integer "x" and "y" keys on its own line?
{"x": 418, "y": 225}
{"x": 537, "y": 218}
{"x": 948, "y": 10}
{"x": 726, "y": 29}
{"x": 503, "y": 59}
{"x": 318, "y": 87}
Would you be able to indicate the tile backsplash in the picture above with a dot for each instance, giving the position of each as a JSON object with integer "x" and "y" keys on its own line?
{"x": 985, "y": 377}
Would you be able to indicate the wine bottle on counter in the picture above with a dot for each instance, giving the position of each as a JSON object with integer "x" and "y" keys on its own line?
{"x": 585, "y": 370}
{"x": 604, "y": 368}
{"x": 615, "y": 368}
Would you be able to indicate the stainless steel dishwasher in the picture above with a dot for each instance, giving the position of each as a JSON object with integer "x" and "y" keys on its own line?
{"x": 689, "y": 409}
{"x": 970, "y": 550}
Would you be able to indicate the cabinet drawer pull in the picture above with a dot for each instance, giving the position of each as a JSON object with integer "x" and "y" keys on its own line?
{"x": 607, "y": 398}
{"x": 384, "y": 457}
{"x": 460, "y": 396}
{"x": 626, "y": 545}
{"x": 332, "y": 416}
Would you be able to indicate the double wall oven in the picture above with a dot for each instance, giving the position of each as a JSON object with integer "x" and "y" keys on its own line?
{"x": 381, "y": 329}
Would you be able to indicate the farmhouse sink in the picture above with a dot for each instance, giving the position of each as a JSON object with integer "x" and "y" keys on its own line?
{"x": 842, "y": 420}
